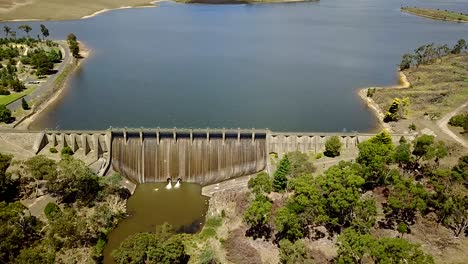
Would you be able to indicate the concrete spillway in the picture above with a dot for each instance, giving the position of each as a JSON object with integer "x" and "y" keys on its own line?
{"x": 203, "y": 158}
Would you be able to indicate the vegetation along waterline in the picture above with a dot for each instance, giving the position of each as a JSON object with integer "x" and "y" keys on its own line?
{"x": 33, "y": 70}
{"x": 438, "y": 14}
{"x": 436, "y": 86}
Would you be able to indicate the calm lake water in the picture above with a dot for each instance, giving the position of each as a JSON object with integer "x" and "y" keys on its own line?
{"x": 152, "y": 205}
{"x": 292, "y": 67}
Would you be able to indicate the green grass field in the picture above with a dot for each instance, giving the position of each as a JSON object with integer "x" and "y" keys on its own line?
{"x": 436, "y": 14}
{"x": 8, "y": 99}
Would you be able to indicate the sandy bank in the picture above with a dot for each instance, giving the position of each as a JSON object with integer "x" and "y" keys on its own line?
{"x": 56, "y": 92}
{"x": 378, "y": 112}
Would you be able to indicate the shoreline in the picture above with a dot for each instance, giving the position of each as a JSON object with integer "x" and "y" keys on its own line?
{"x": 432, "y": 17}
{"x": 54, "y": 96}
{"x": 150, "y": 4}
{"x": 375, "y": 108}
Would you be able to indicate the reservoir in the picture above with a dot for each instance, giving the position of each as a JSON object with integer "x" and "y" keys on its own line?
{"x": 285, "y": 67}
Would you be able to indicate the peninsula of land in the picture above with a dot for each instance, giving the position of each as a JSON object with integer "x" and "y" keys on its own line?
{"x": 437, "y": 14}
{"x": 433, "y": 89}
{"x": 21, "y": 10}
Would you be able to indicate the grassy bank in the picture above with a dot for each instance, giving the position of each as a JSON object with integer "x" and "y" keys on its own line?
{"x": 437, "y": 14}
{"x": 61, "y": 10}
{"x": 435, "y": 90}
{"x": 8, "y": 99}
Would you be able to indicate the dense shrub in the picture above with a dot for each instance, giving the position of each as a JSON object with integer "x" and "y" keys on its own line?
{"x": 333, "y": 147}
{"x": 67, "y": 151}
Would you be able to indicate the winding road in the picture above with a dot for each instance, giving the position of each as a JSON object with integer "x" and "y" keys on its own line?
{"x": 48, "y": 84}
{"x": 443, "y": 122}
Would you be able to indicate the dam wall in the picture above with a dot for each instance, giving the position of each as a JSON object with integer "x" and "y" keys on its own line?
{"x": 203, "y": 156}
{"x": 199, "y": 156}
{"x": 283, "y": 143}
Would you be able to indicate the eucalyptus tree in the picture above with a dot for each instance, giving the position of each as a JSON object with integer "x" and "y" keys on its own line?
{"x": 7, "y": 30}
{"x": 25, "y": 28}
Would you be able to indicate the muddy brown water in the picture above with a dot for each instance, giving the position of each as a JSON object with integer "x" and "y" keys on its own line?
{"x": 152, "y": 205}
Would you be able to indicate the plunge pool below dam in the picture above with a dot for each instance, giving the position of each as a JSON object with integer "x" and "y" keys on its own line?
{"x": 152, "y": 204}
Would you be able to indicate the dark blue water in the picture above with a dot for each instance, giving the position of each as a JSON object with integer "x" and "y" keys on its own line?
{"x": 292, "y": 67}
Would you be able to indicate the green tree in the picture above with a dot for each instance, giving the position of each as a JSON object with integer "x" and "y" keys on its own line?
{"x": 5, "y": 114}
{"x": 375, "y": 155}
{"x": 25, "y": 28}
{"x": 353, "y": 247}
{"x": 257, "y": 216}
{"x": 8, "y": 186}
{"x": 397, "y": 250}
{"x": 405, "y": 200}
{"x": 51, "y": 210}
{"x": 260, "y": 183}
{"x": 280, "y": 180}
{"x": 162, "y": 247}
{"x": 133, "y": 250}
{"x": 341, "y": 191}
{"x": 44, "y": 31}
{"x": 333, "y": 147}
{"x": 460, "y": 171}
{"x": 426, "y": 148}
{"x": 300, "y": 163}
{"x": 74, "y": 182}
{"x": 294, "y": 253}
{"x": 458, "y": 218}
{"x": 71, "y": 37}
{"x": 7, "y": 30}
{"x": 24, "y": 104}
{"x": 41, "y": 167}
{"x": 459, "y": 47}
{"x": 364, "y": 215}
{"x": 406, "y": 62}
{"x": 289, "y": 225}
{"x": 403, "y": 153}
{"x": 17, "y": 230}
{"x": 36, "y": 255}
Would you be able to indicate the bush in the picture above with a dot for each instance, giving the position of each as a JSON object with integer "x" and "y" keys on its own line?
{"x": 67, "y": 151}
{"x": 260, "y": 183}
{"x": 459, "y": 120}
{"x": 51, "y": 210}
{"x": 24, "y": 104}
{"x": 4, "y": 92}
{"x": 333, "y": 147}
{"x": 5, "y": 114}
{"x": 318, "y": 155}
{"x": 208, "y": 256}
{"x": 53, "y": 150}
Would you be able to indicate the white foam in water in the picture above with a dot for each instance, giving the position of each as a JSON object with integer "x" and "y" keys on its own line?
{"x": 169, "y": 186}
{"x": 177, "y": 185}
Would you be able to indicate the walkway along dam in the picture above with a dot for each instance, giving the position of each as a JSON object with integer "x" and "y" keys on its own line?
{"x": 203, "y": 156}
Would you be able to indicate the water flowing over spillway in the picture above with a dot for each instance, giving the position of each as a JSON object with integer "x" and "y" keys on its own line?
{"x": 189, "y": 157}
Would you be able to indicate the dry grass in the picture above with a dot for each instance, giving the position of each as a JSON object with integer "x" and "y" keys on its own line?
{"x": 435, "y": 90}
{"x": 436, "y": 14}
{"x": 60, "y": 9}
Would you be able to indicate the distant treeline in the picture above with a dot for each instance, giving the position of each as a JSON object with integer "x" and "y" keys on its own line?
{"x": 427, "y": 54}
